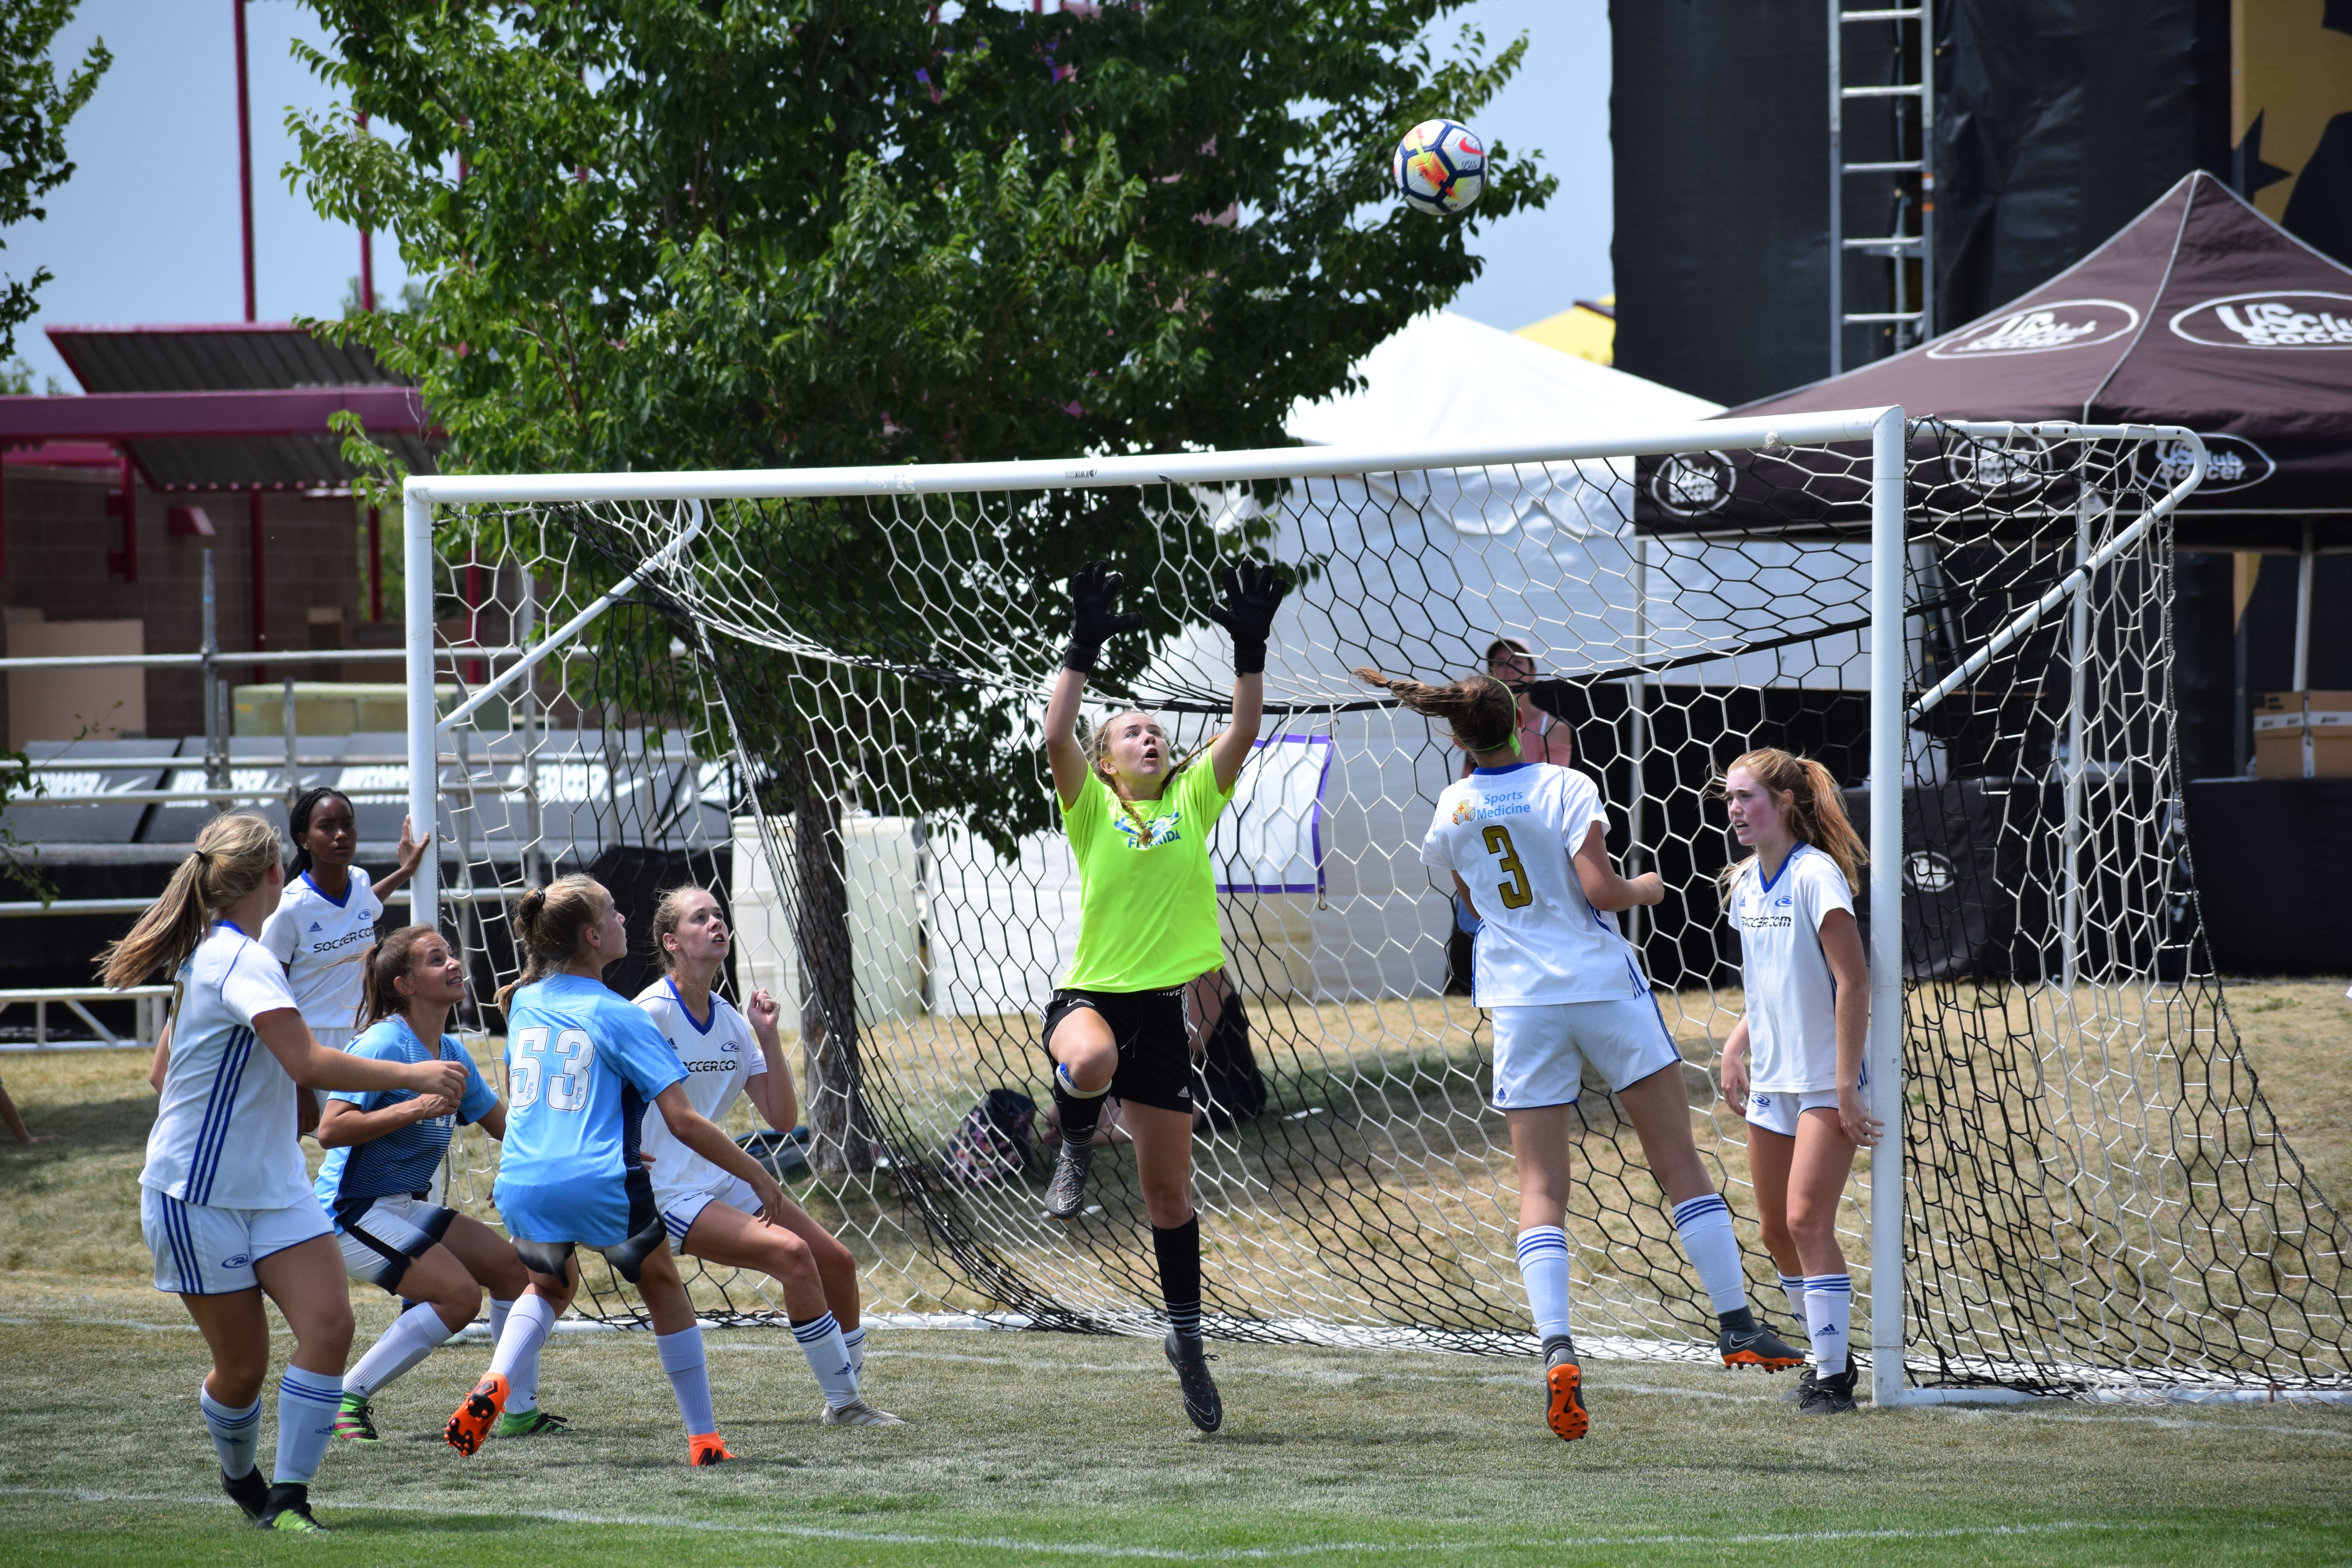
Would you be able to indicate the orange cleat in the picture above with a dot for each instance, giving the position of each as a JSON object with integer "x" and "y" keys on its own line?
{"x": 1759, "y": 1346}
{"x": 1564, "y": 1410}
{"x": 709, "y": 1448}
{"x": 474, "y": 1417}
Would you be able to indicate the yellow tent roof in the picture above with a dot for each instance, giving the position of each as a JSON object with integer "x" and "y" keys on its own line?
{"x": 1582, "y": 330}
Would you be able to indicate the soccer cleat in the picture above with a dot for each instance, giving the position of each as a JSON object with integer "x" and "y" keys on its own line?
{"x": 289, "y": 1508}
{"x": 471, "y": 1422}
{"x": 1832, "y": 1396}
{"x": 353, "y": 1422}
{"x": 1804, "y": 1381}
{"x": 1066, "y": 1194}
{"x": 1564, "y": 1410}
{"x": 709, "y": 1448}
{"x": 529, "y": 1423}
{"x": 1759, "y": 1346}
{"x": 1202, "y": 1404}
{"x": 858, "y": 1413}
{"x": 249, "y": 1491}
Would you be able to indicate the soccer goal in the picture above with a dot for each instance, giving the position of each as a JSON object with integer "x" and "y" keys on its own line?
{"x": 820, "y": 692}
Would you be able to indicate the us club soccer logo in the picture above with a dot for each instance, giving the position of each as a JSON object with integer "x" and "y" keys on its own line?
{"x": 1689, "y": 484}
{"x": 2041, "y": 330}
{"x": 2274, "y": 319}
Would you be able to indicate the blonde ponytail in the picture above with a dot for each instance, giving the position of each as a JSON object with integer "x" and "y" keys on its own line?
{"x": 233, "y": 854}
{"x": 549, "y": 924}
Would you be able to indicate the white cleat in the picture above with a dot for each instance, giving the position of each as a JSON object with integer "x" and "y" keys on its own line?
{"x": 858, "y": 1413}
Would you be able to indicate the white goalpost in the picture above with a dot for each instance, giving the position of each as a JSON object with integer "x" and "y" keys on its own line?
{"x": 818, "y": 691}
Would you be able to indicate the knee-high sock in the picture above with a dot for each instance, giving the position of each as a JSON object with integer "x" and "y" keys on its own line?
{"x": 854, "y": 1342}
{"x": 307, "y": 1402}
{"x": 236, "y": 1434}
{"x": 528, "y": 1326}
{"x": 1080, "y": 1112}
{"x": 1704, "y": 1225}
{"x": 1543, "y": 1268}
{"x": 828, "y": 1357}
{"x": 1794, "y": 1285}
{"x": 1179, "y": 1250}
{"x": 410, "y": 1340}
{"x": 689, "y": 1378}
{"x": 1829, "y": 1312}
{"x": 522, "y": 1384}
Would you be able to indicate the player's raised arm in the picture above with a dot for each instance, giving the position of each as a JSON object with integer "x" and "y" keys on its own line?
{"x": 1095, "y": 619}
{"x": 1252, "y": 593}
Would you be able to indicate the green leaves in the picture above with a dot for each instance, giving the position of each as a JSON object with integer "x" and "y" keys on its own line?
{"x": 34, "y": 112}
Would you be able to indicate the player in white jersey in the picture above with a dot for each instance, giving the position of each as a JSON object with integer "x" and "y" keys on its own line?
{"x": 1526, "y": 845}
{"x": 325, "y": 919}
{"x": 226, "y": 1201}
{"x": 1794, "y": 1062}
{"x": 713, "y": 1216}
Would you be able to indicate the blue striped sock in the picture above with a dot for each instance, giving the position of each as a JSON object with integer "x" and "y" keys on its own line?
{"x": 307, "y": 1402}
{"x": 820, "y": 1341}
{"x": 1704, "y": 1225}
{"x": 1795, "y": 1286}
{"x": 236, "y": 1434}
{"x": 689, "y": 1378}
{"x": 1543, "y": 1268}
{"x": 1829, "y": 1314}
{"x": 853, "y": 1340}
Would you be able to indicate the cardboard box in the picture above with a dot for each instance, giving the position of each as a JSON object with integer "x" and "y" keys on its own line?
{"x": 2304, "y": 735}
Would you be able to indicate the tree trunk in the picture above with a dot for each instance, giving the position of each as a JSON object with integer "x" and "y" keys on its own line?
{"x": 841, "y": 1140}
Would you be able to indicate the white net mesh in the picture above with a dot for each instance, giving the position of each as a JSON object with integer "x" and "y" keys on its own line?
{"x": 829, "y": 708}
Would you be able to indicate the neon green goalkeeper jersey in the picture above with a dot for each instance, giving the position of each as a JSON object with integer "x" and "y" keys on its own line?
{"x": 1147, "y": 898}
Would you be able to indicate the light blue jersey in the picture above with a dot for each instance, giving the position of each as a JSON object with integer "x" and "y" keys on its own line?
{"x": 404, "y": 1160}
{"x": 582, "y": 1067}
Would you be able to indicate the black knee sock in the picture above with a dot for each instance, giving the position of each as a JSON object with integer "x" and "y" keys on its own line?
{"x": 1180, "y": 1274}
{"x": 1079, "y": 1114}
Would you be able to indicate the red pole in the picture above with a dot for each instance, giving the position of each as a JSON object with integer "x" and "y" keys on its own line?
{"x": 244, "y": 199}
{"x": 367, "y": 286}
{"x": 260, "y": 588}
{"x": 129, "y": 518}
{"x": 375, "y": 564}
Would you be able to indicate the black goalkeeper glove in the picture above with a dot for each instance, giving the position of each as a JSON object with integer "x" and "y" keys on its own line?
{"x": 1252, "y": 593}
{"x": 1093, "y": 620}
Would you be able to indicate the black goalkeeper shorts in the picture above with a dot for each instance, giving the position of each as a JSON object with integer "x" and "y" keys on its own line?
{"x": 1155, "y": 1054}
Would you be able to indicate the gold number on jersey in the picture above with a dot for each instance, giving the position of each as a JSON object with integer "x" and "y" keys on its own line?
{"x": 1517, "y": 893}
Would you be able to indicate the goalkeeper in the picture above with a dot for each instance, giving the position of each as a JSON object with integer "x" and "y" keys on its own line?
{"x": 1138, "y": 826}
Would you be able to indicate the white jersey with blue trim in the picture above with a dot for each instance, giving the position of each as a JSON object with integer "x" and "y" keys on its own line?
{"x": 1792, "y": 995}
{"x": 225, "y": 1133}
{"x": 719, "y": 1054}
{"x": 1511, "y": 833}
{"x": 324, "y": 944}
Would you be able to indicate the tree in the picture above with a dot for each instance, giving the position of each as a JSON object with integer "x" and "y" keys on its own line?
{"x": 34, "y": 112}
{"x": 664, "y": 233}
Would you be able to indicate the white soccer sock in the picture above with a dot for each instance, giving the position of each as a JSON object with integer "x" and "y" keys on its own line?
{"x": 1829, "y": 1306}
{"x": 236, "y": 1434}
{"x": 522, "y": 1384}
{"x": 689, "y": 1378}
{"x": 1794, "y": 1284}
{"x": 828, "y": 1357}
{"x": 307, "y": 1402}
{"x": 1543, "y": 1266}
{"x": 410, "y": 1340}
{"x": 1704, "y": 1225}
{"x": 854, "y": 1342}
{"x": 528, "y": 1326}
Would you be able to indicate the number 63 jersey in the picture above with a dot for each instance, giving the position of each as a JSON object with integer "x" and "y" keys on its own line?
{"x": 582, "y": 1067}
{"x": 1511, "y": 833}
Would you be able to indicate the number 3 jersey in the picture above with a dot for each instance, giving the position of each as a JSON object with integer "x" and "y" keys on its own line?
{"x": 1511, "y": 833}
{"x": 582, "y": 1067}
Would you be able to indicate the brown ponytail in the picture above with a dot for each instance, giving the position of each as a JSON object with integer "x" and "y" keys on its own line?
{"x": 1816, "y": 808}
{"x": 392, "y": 959}
{"x": 233, "y": 854}
{"x": 1482, "y": 712}
{"x": 550, "y": 922}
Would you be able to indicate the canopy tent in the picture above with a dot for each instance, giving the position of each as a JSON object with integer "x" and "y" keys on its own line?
{"x": 2201, "y": 312}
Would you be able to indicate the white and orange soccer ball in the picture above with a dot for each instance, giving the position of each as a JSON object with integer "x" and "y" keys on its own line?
{"x": 1440, "y": 166}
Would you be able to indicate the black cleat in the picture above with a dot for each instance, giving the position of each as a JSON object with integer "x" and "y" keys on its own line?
{"x": 249, "y": 1491}
{"x": 1066, "y": 1194}
{"x": 1759, "y": 1346}
{"x": 1564, "y": 1410}
{"x": 289, "y": 1508}
{"x": 1832, "y": 1396}
{"x": 1190, "y": 1359}
{"x": 1804, "y": 1381}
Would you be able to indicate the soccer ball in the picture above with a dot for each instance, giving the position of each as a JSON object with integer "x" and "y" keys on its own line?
{"x": 1440, "y": 166}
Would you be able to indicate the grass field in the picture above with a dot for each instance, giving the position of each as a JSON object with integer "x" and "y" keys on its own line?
{"x": 1032, "y": 1447}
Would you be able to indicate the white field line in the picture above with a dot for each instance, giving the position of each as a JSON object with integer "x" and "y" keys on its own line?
{"x": 1153, "y": 1553}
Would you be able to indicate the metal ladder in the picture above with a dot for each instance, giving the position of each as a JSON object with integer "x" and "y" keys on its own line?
{"x": 1914, "y": 208}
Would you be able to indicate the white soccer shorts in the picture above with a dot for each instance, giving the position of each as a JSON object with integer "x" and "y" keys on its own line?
{"x": 204, "y": 1251}
{"x": 382, "y": 1239}
{"x": 679, "y": 1213}
{"x": 1776, "y": 1111}
{"x": 1540, "y": 1050}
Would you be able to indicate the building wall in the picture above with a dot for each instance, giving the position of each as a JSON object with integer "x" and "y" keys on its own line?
{"x": 58, "y": 532}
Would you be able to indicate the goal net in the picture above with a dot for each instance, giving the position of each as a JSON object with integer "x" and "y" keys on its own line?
{"x": 821, "y": 694}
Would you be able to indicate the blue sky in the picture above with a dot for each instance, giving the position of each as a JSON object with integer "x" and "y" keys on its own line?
{"x": 146, "y": 231}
